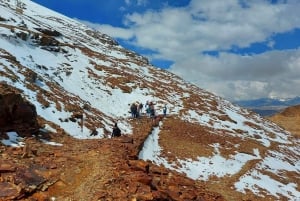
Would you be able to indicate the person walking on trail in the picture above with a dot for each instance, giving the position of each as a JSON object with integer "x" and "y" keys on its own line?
{"x": 116, "y": 132}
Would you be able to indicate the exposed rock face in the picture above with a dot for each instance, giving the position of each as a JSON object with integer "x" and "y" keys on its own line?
{"x": 16, "y": 113}
{"x": 49, "y": 32}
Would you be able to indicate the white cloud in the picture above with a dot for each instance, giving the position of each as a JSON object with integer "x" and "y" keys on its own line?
{"x": 274, "y": 73}
{"x": 181, "y": 34}
{"x": 114, "y": 32}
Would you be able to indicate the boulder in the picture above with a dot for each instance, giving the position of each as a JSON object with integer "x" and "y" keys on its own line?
{"x": 16, "y": 113}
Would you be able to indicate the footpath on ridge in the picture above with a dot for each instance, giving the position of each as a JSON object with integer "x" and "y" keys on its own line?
{"x": 92, "y": 170}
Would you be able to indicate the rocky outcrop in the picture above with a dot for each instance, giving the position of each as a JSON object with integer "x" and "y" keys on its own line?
{"x": 49, "y": 32}
{"x": 16, "y": 113}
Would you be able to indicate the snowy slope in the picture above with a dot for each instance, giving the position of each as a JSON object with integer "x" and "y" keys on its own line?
{"x": 79, "y": 70}
{"x": 54, "y": 66}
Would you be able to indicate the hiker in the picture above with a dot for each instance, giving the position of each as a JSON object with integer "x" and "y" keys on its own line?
{"x": 147, "y": 106}
{"x": 137, "y": 106}
{"x": 152, "y": 110}
{"x": 140, "y": 108}
{"x": 133, "y": 110}
{"x": 165, "y": 110}
{"x": 116, "y": 132}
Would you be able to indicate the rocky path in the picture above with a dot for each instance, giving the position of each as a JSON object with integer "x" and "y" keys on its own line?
{"x": 92, "y": 170}
{"x": 85, "y": 173}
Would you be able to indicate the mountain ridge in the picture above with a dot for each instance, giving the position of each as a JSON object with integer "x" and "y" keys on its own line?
{"x": 288, "y": 119}
{"x": 268, "y": 106}
{"x": 67, "y": 69}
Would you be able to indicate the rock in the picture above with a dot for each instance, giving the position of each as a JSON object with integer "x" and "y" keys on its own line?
{"x": 126, "y": 139}
{"x": 139, "y": 165}
{"x": 49, "y": 32}
{"x": 144, "y": 193}
{"x": 6, "y": 166}
{"x": 94, "y": 132}
{"x": 41, "y": 196}
{"x": 22, "y": 35}
{"x": 158, "y": 170}
{"x": 140, "y": 177}
{"x": 29, "y": 179}
{"x": 9, "y": 191}
{"x": 16, "y": 113}
{"x": 48, "y": 41}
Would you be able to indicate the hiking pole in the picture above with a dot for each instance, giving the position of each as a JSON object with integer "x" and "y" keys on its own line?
{"x": 81, "y": 123}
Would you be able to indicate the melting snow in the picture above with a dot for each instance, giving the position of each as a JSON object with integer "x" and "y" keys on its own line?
{"x": 14, "y": 140}
{"x": 205, "y": 167}
{"x": 51, "y": 143}
{"x": 255, "y": 180}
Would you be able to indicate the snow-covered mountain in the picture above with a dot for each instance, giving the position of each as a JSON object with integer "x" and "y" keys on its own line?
{"x": 66, "y": 69}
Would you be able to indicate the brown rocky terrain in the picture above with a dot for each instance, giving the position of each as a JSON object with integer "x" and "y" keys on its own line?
{"x": 69, "y": 71}
{"x": 106, "y": 169}
{"x": 289, "y": 119}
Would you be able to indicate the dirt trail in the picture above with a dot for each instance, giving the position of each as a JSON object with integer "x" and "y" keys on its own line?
{"x": 91, "y": 165}
{"x": 93, "y": 170}
{"x": 84, "y": 173}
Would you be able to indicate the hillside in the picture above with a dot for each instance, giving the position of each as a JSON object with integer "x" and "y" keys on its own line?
{"x": 68, "y": 71}
{"x": 289, "y": 119}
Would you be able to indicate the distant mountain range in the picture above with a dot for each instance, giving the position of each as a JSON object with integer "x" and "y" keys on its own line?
{"x": 268, "y": 106}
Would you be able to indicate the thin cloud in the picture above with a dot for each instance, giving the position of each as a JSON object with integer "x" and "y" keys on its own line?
{"x": 136, "y": 2}
{"x": 127, "y": 2}
{"x": 142, "y": 2}
{"x": 114, "y": 32}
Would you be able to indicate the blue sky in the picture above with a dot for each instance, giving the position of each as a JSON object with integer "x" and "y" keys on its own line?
{"x": 238, "y": 49}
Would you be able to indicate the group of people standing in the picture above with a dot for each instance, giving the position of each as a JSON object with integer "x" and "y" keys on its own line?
{"x": 136, "y": 110}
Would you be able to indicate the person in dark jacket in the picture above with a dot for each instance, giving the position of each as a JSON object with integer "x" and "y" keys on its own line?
{"x": 133, "y": 110}
{"x": 116, "y": 132}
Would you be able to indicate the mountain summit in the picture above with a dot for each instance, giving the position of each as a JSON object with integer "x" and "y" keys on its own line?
{"x": 82, "y": 81}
